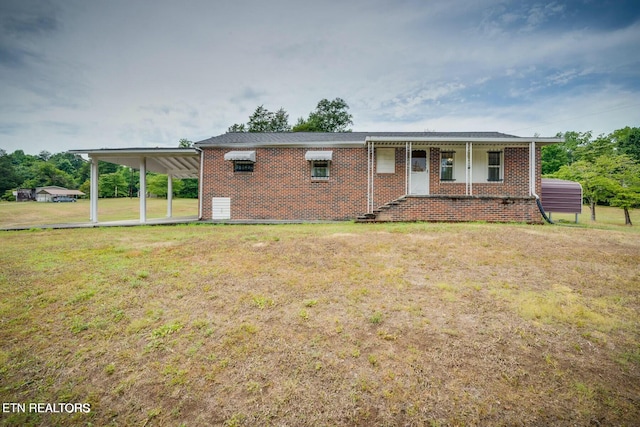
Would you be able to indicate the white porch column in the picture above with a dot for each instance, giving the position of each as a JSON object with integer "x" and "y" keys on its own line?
{"x": 200, "y": 182}
{"x": 370, "y": 176}
{"x": 469, "y": 165}
{"x": 142, "y": 192}
{"x": 407, "y": 179}
{"x": 532, "y": 169}
{"x": 169, "y": 195}
{"x": 93, "y": 196}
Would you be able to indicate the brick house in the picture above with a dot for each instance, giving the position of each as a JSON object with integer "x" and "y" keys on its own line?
{"x": 371, "y": 176}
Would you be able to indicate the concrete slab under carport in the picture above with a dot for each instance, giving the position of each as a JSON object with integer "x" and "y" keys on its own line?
{"x": 163, "y": 221}
{"x": 180, "y": 162}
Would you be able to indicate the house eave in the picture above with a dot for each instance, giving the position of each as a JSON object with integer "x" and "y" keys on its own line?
{"x": 236, "y": 145}
{"x": 462, "y": 140}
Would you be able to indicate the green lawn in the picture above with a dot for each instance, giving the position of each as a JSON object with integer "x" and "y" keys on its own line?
{"x": 325, "y": 324}
{"x": 605, "y": 215}
{"x": 33, "y": 213}
{"x": 25, "y": 214}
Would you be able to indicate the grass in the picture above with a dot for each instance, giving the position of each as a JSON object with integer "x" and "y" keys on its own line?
{"x": 326, "y": 324}
{"x": 605, "y": 215}
{"x": 32, "y": 213}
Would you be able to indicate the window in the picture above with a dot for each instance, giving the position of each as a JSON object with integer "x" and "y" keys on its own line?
{"x": 242, "y": 160}
{"x": 241, "y": 166}
{"x": 418, "y": 161}
{"x": 320, "y": 169}
{"x": 385, "y": 160}
{"x": 446, "y": 165}
{"x": 495, "y": 166}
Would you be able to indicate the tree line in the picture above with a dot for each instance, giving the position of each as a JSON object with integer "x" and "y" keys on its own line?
{"x": 329, "y": 116}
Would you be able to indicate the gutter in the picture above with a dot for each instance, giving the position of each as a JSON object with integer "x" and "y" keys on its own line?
{"x": 459, "y": 139}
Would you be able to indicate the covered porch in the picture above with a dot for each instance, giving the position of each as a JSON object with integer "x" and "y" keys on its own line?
{"x": 437, "y": 176}
{"x": 178, "y": 163}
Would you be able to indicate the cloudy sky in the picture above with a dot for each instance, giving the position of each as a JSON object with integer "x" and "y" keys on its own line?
{"x": 143, "y": 73}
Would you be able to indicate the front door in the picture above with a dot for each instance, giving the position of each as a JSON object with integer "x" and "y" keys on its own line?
{"x": 419, "y": 172}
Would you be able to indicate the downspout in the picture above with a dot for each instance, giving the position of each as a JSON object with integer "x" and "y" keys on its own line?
{"x": 532, "y": 181}
{"x": 370, "y": 176}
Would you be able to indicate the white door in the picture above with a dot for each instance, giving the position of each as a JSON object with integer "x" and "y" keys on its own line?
{"x": 221, "y": 208}
{"x": 419, "y": 172}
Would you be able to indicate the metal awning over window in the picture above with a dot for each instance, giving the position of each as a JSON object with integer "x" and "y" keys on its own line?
{"x": 243, "y": 156}
{"x": 319, "y": 155}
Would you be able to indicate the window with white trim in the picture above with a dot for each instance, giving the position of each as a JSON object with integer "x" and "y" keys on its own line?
{"x": 446, "y": 165}
{"x": 494, "y": 161}
{"x": 320, "y": 169}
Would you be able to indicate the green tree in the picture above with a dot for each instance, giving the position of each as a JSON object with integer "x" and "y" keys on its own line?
{"x": 106, "y": 167}
{"x": 626, "y": 172}
{"x": 23, "y": 166}
{"x": 112, "y": 185}
{"x": 602, "y": 146}
{"x": 73, "y": 164}
{"x": 157, "y": 184}
{"x": 189, "y": 188}
{"x": 597, "y": 183}
{"x": 9, "y": 179}
{"x": 627, "y": 141}
{"x": 185, "y": 143}
{"x": 329, "y": 116}
{"x": 263, "y": 120}
{"x": 237, "y": 128}
{"x": 45, "y": 174}
{"x": 553, "y": 157}
{"x": 44, "y": 155}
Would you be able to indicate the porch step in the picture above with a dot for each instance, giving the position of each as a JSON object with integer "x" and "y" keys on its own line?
{"x": 374, "y": 216}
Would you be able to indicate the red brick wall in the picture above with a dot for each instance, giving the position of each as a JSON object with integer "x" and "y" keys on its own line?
{"x": 464, "y": 208}
{"x": 515, "y": 183}
{"x": 281, "y": 187}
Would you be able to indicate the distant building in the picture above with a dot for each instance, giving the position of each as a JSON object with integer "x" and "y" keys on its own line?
{"x": 49, "y": 194}
{"x": 25, "y": 194}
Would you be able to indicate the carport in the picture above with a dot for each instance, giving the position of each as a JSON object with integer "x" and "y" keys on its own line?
{"x": 174, "y": 162}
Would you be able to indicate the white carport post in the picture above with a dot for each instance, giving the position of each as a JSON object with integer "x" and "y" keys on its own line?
{"x": 142, "y": 193}
{"x": 169, "y": 195}
{"x": 93, "y": 209}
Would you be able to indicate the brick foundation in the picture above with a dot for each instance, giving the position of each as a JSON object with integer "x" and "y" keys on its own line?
{"x": 463, "y": 208}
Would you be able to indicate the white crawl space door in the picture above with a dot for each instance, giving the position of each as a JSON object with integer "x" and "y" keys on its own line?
{"x": 221, "y": 208}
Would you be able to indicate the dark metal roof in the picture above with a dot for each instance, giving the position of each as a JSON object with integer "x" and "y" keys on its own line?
{"x": 336, "y": 137}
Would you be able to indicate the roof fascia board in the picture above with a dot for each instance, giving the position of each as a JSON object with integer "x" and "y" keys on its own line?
{"x": 111, "y": 152}
{"x": 336, "y": 144}
{"x": 430, "y": 139}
